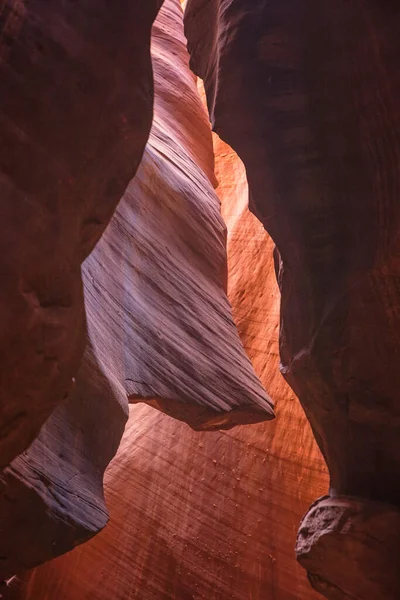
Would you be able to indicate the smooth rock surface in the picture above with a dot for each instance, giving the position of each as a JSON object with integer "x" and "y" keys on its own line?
{"x": 214, "y": 515}
{"x": 160, "y": 327}
{"x": 307, "y": 94}
{"x": 200, "y": 515}
{"x": 71, "y": 138}
{"x": 51, "y": 496}
{"x": 318, "y": 134}
{"x": 154, "y": 286}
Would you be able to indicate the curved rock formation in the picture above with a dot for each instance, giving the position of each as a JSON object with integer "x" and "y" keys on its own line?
{"x": 160, "y": 327}
{"x": 204, "y": 515}
{"x": 160, "y": 267}
{"x": 306, "y": 93}
{"x": 51, "y": 496}
{"x": 211, "y": 515}
{"x": 71, "y": 140}
{"x": 155, "y": 279}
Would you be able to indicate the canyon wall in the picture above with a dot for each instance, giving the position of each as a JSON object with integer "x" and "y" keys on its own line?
{"x": 203, "y": 515}
{"x": 307, "y": 96}
{"x": 71, "y": 140}
{"x": 159, "y": 327}
{"x": 195, "y": 515}
{"x": 306, "y": 93}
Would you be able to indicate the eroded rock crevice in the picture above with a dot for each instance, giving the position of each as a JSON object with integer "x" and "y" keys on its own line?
{"x": 135, "y": 274}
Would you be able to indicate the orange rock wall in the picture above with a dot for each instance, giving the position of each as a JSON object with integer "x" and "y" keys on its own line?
{"x": 207, "y": 515}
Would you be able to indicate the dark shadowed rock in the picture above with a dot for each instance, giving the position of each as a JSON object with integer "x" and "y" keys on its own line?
{"x": 51, "y": 496}
{"x": 306, "y": 93}
{"x": 350, "y": 548}
{"x": 75, "y": 112}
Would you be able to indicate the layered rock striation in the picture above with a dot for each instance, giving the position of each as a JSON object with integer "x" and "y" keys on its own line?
{"x": 159, "y": 327}
{"x": 204, "y": 515}
{"x": 160, "y": 269}
{"x": 71, "y": 139}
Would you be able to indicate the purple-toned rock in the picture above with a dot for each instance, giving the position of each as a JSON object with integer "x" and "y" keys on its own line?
{"x": 75, "y": 112}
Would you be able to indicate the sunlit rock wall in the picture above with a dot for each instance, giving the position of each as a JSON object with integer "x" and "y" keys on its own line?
{"x": 207, "y": 515}
{"x": 159, "y": 327}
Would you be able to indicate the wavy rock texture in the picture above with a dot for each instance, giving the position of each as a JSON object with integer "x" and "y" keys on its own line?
{"x": 160, "y": 328}
{"x": 206, "y": 515}
{"x": 209, "y": 516}
{"x": 71, "y": 139}
{"x": 162, "y": 324}
{"x": 51, "y": 496}
{"x": 307, "y": 93}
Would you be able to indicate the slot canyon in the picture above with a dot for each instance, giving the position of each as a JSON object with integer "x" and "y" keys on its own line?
{"x": 200, "y": 300}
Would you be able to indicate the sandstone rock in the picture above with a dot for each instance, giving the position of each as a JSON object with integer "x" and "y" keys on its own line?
{"x": 160, "y": 327}
{"x": 193, "y": 514}
{"x": 163, "y": 326}
{"x": 204, "y": 515}
{"x": 350, "y": 548}
{"x": 51, "y": 496}
{"x": 71, "y": 138}
{"x": 306, "y": 94}
{"x": 318, "y": 187}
